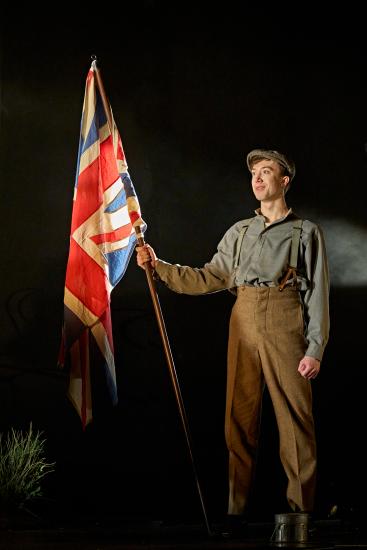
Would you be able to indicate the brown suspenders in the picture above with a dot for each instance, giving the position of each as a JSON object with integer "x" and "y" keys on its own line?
{"x": 292, "y": 267}
{"x": 240, "y": 241}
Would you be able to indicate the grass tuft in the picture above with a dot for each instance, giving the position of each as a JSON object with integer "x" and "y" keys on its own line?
{"x": 22, "y": 467}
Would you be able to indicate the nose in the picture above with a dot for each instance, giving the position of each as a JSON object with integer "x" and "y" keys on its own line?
{"x": 257, "y": 177}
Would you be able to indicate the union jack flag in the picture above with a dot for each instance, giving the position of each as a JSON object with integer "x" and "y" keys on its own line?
{"x": 104, "y": 217}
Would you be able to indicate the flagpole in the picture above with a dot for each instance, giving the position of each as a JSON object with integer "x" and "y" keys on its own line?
{"x": 161, "y": 324}
{"x": 172, "y": 371}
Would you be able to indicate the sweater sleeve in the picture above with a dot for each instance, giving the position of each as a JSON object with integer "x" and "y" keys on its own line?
{"x": 216, "y": 275}
{"x": 316, "y": 298}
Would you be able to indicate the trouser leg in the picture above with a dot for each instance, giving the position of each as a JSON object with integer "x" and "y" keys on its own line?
{"x": 282, "y": 348}
{"x": 243, "y": 405}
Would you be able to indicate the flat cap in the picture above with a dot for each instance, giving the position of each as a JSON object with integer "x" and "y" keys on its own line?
{"x": 259, "y": 154}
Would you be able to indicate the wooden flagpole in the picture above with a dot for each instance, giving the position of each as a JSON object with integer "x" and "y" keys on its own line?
{"x": 161, "y": 325}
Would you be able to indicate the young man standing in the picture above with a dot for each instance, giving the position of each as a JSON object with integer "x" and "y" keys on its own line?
{"x": 277, "y": 265}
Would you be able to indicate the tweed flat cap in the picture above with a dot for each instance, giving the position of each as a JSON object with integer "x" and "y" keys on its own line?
{"x": 259, "y": 154}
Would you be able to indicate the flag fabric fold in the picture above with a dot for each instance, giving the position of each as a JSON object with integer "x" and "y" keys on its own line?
{"x": 105, "y": 214}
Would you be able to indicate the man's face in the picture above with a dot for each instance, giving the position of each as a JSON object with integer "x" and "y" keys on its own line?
{"x": 267, "y": 181}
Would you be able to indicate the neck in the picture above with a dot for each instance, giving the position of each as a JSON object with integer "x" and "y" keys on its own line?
{"x": 274, "y": 210}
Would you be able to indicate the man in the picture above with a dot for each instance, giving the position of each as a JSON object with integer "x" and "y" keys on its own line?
{"x": 276, "y": 263}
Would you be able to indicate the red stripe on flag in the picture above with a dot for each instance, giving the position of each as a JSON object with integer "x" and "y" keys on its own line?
{"x": 120, "y": 150}
{"x": 109, "y": 170}
{"x": 90, "y": 77}
{"x": 118, "y": 235}
{"x": 134, "y": 215}
{"x": 86, "y": 280}
{"x": 92, "y": 183}
{"x": 88, "y": 197}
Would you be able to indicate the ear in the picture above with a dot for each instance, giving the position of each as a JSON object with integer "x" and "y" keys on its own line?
{"x": 285, "y": 181}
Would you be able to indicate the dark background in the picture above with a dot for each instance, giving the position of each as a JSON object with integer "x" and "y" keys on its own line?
{"x": 193, "y": 89}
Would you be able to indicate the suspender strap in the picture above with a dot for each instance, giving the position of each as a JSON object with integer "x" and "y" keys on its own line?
{"x": 292, "y": 267}
{"x": 296, "y": 237}
{"x": 239, "y": 243}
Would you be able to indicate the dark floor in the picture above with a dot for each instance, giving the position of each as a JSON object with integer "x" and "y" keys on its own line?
{"x": 133, "y": 534}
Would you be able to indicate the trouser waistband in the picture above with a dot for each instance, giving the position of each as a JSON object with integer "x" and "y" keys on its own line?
{"x": 272, "y": 292}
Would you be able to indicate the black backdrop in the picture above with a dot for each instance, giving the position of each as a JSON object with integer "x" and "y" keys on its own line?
{"x": 192, "y": 89}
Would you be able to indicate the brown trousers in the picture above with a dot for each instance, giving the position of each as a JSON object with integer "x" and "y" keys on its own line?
{"x": 266, "y": 344}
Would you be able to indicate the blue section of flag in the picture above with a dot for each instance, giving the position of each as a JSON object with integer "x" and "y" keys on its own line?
{"x": 128, "y": 185}
{"x": 92, "y": 136}
{"x": 117, "y": 203}
{"x": 119, "y": 260}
